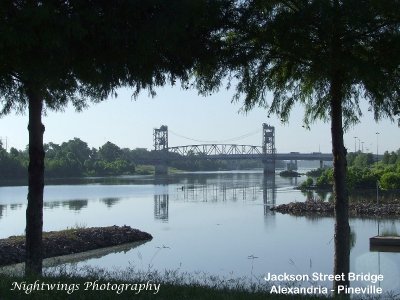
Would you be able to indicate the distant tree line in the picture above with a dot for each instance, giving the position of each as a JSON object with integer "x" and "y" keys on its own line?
{"x": 74, "y": 158}
{"x": 363, "y": 172}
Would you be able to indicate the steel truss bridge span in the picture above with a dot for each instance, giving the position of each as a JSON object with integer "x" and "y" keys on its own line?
{"x": 217, "y": 150}
{"x": 233, "y": 151}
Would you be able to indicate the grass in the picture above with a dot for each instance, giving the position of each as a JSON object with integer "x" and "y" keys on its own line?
{"x": 72, "y": 283}
{"x": 74, "y": 288}
{"x": 150, "y": 170}
{"x": 144, "y": 170}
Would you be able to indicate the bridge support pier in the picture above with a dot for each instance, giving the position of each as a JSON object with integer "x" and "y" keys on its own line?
{"x": 292, "y": 165}
{"x": 269, "y": 166}
{"x": 321, "y": 164}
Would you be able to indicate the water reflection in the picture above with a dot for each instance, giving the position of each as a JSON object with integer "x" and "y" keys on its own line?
{"x": 219, "y": 192}
{"x": 215, "y": 188}
{"x": 269, "y": 192}
{"x": 244, "y": 187}
{"x": 2, "y": 208}
{"x": 161, "y": 204}
{"x": 15, "y": 206}
{"x": 222, "y": 192}
{"x": 51, "y": 205}
{"x": 75, "y": 205}
{"x": 110, "y": 202}
{"x": 293, "y": 181}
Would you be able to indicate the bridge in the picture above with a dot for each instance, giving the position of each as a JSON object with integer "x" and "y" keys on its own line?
{"x": 234, "y": 152}
{"x": 266, "y": 153}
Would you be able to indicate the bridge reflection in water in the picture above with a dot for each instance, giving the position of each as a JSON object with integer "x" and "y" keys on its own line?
{"x": 161, "y": 205}
{"x": 223, "y": 191}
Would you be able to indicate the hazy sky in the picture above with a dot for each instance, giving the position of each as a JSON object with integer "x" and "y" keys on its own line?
{"x": 129, "y": 123}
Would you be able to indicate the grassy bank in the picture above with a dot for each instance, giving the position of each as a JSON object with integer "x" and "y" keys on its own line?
{"x": 76, "y": 287}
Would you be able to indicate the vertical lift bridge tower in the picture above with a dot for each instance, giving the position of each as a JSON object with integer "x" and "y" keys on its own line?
{"x": 268, "y": 146}
{"x": 160, "y": 139}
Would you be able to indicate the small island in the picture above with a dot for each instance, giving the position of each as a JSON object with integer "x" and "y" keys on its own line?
{"x": 321, "y": 208}
{"x": 289, "y": 173}
{"x": 70, "y": 241}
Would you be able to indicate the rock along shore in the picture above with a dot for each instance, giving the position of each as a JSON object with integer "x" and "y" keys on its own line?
{"x": 57, "y": 243}
{"x": 320, "y": 208}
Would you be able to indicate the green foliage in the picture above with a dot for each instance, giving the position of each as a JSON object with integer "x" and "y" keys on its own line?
{"x": 326, "y": 179}
{"x": 144, "y": 170}
{"x": 315, "y": 173}
{"x": 67, "y": 159}
{"x": 13, "y": 165}
{"x": 390, "y": 180}
{"x": 362, "y": 173}
{"x": 308, "y": 183}
{"x": 360, "y": 160}
{"x": 74, "y": 159}
{"x": 361, "y": 178}
{"x": 391, "y": 158}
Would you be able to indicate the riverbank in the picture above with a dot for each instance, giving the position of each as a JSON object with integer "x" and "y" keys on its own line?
{"x": 69, "y": 241}
{"x": 320, "y": 208}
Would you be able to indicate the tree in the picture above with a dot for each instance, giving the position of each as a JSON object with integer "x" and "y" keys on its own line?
{"x": 57, "y": 52}
{"x": 109, "y": 152}
{"x": 324, "y": 54}
{"x": 78, "y": 148}
{"x": 390, "y": 180}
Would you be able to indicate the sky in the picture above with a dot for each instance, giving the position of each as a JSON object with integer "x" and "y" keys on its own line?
{"x": 129, "y": 123}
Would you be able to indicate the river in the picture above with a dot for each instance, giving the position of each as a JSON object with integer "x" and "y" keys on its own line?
{"x": 216, "y": 222}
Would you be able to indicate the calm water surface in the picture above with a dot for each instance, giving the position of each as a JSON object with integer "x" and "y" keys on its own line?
{"x": 209, "y": 222}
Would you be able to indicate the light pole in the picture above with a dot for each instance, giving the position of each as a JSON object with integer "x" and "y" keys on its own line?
{"x": 355, "y": 144}
{"x": 377, "y": 145}
{"x": 377, "y": 182}
{"x": 362, "y": 147}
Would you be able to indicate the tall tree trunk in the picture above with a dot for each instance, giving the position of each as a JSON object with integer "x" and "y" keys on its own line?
{"x": 34, "y": 210}
{"x": 342, "y": 228}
